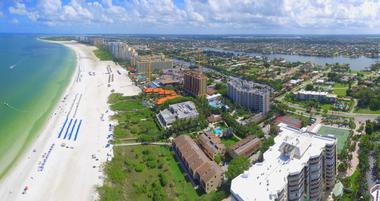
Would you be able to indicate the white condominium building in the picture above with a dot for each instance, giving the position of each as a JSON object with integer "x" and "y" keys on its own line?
{"x": 251, "y": 95}
{"x": 121, "y": 50}
{"x": 316, "y": 95}
{"x": 299, "y": 166}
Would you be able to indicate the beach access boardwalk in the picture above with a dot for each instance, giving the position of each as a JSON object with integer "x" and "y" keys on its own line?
{"x": 142, "y": 143}
{"x": 65, "y": 160}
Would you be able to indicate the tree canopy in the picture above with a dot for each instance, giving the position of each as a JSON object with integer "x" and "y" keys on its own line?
{"x": 237, "y": 166}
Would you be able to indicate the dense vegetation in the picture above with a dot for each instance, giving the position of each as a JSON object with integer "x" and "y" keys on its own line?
{"x": 58, "y": 38}
{"x": 357, "y": 183}
{"x": 145, "y": 173}
{"x": 103, "y": 54}
{"x": 237, "y": 166}
{"x": 367, "y": 97}
{"x": 134, "y": 119}
{"x": 242, "y": 130}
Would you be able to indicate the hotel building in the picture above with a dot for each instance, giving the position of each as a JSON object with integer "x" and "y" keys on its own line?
{"x": 195, "y": 82}
{"x": 299, "y": 166}
{"x": 157, "y": 62}
{"x": 247, "y": 94}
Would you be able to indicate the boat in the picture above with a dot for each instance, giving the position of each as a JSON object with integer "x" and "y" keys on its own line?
{"x": 12, "y": 67}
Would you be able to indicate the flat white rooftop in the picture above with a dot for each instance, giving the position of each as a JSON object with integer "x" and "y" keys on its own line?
{"x": 375, "y": 192}
{"x": 269, "y": 178}
{"x": 316, "y": 93}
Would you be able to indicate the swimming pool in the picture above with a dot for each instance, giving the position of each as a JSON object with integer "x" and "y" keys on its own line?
{"x": 215, "y": 104}
{"x": 217, "y": 131}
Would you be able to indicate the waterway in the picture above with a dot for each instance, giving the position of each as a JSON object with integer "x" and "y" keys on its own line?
{"x": 359, "y": 63}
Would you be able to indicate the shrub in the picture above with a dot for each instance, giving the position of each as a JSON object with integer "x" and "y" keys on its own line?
{"x": 139, "y": 167}
{"x": 151, "y": 164}
{"x": 163, "y": 180}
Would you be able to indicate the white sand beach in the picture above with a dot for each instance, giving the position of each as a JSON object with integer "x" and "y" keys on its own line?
{"x": 64, "y": 162}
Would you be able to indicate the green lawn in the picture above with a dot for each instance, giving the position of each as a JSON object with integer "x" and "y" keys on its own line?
{"x": 340, "y": 89}
{"x": 326, "y": 106}
{"x": 229, "y": 141}
{"x": 185, "y": 190}
{"x": 366, "y": 111}
{"x": 103, "y": 55}
{"x": 340, "y": 134}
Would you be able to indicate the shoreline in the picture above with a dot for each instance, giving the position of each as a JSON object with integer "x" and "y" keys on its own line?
{"x": 50, "y": 162}
{"x": 41, "y": 127}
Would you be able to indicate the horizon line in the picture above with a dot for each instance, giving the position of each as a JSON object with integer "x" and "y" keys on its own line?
{"x": 197, "y": 34}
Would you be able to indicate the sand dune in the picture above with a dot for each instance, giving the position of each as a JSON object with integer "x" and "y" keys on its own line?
{"x": 64, "y": 163}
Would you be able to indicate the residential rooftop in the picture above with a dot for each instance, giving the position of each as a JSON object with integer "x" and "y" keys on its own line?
{"x": 246, "y": 146}
{"x": 316, "y": 93}
{"x": 249, "y": 85}
{"x": 184, "y": 110}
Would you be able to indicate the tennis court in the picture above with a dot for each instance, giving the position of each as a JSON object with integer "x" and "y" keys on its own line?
{"x": 340, "y": 134}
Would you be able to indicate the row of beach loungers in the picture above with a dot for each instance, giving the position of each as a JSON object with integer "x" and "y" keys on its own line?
{"x": 69, "y": 131}
{"x": 45, "y": 157}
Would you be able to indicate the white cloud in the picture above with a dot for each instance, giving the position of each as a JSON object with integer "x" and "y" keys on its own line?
{"x": 226, "y": 14}
{"x": 50, "y": 7}
{"x": 20, "y": 9}
{"x": 1, "y": 14}
{"x": 156, "y": 11}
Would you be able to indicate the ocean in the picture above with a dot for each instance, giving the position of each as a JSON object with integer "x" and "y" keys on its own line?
{"x": 33, "y": 76}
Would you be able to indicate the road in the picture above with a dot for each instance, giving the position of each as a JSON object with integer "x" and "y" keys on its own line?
{"x": 357, "y": 116}
{"x": 361, "y": 117}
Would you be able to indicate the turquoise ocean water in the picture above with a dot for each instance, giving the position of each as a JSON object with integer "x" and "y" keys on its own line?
{"x": 33, "y": 76}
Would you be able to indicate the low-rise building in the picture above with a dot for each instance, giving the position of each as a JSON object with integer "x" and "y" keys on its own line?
{"x": 293, "y": 82}
{"x": 168, "y": 80}
{"x": 245, "y": 147}
{"x": 211, "y": 145}
{"x": 316, "y": 95}
{"x": 185, "y": 110}
{"x": 200, "y": 168}
{"x": 299, "y": 166}
{"x": 214, "y": 118}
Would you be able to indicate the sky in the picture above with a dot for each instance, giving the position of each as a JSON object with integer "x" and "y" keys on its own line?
{"x": 190, "y": 16}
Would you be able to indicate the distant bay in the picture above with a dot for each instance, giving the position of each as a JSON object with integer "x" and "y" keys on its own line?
{"x": 359, "y": 63}
{"x": 33, "y": 76}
